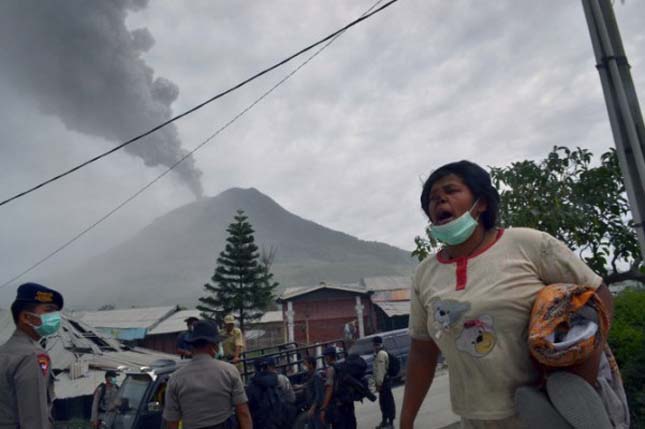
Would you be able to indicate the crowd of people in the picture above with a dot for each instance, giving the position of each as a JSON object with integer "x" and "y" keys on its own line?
{"x": 500, "y": 306}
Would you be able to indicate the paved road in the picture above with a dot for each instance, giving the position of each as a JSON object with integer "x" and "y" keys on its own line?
{"x": 435, "y": 412}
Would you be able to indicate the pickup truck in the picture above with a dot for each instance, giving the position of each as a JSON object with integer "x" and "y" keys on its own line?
{"x": 140, "y": 399}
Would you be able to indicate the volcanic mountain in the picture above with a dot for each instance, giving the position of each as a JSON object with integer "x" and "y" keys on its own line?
{"x": 169, "y": 261}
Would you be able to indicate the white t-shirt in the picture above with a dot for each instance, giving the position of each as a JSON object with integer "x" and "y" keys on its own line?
{"x": 477, "y": 310}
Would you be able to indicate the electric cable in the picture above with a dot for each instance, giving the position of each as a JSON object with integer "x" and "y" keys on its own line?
{"x": 197, "y": 107}
{"x": 188, "y": 155}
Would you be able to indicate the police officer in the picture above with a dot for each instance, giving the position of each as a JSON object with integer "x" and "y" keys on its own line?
{"x": 334, "y": 411}
{"x": 27, "y": 386}
{"x": 383, "y": 384}
{"x": 206, "y": 392}
{"x": 183, "y": 347}
{"x": 103, "y": 400}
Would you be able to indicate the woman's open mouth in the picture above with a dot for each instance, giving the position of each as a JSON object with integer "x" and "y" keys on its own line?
{"x": 444, "y": 217}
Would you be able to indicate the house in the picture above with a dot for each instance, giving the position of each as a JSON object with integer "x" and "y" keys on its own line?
{"x": 320, "y": 313}
{"x": 163, "y": 336}
{"x": 130, "y": 324}
{"x": 269, "y": 331}
{"x": 391, "y": 298}
{"x": 80, "y": 355}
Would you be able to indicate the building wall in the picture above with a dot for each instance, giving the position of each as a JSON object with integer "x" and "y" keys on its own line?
{"x": 321, "y": 316}
{"x": 166, "y": 343}
{"x": 273, "y": 336}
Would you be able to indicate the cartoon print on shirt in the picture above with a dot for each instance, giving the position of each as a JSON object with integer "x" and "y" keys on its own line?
{"x": 478, "y": 337}
{"x": 446, "y": 313}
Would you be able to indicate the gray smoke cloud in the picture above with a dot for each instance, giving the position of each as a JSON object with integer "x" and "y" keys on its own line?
{"x": 79, "y": 62}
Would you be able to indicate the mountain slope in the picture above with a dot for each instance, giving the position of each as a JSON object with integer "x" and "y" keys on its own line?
{"x": 169, "y": 261}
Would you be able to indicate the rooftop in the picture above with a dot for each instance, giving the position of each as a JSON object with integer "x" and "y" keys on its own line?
{"x": 146, "y": 318}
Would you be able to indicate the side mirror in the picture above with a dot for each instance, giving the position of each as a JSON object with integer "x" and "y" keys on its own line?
{"x": 154, "y": 407}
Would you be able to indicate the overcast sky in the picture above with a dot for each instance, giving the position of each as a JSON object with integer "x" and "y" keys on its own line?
{"x": 346, "y": 142}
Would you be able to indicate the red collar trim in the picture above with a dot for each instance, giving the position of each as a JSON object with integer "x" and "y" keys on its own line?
{"x": 443, "y": 260}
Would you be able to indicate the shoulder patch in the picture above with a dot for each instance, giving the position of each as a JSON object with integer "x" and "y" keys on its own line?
{"x": 44, "y": 363}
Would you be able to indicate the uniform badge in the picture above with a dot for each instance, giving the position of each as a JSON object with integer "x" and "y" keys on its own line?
{"x": 44, "y": 297}
{"x": 44, "y": 363}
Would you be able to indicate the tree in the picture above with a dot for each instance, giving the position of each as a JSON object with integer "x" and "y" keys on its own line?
{"x": 580, "y": 204}
{"x": 242, "y": 282}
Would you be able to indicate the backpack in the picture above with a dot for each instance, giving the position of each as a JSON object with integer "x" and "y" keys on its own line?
{"x": 394, "y": 366}
{"x": 272, "y": 408}
{"x": 350, "y": 383}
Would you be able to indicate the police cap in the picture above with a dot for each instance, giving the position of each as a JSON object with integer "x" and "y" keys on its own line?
{"x": 330, "y": 351}
{"x": 204, "y": 330}
{"x": 38, "y": 294}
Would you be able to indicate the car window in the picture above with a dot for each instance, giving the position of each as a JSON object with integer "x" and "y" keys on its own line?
{"x": 403, "y": 341}
{"x": 133, "y": 389}
{"x": 129, "y": 398}
{"x": 389, "y": 343}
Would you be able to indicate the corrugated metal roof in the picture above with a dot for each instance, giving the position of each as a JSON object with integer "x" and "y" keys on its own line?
{"x": 384, "y": 283}
{"x": 391, "y": 295}
{"x": 271, "y": 317}
{"x": 65, "y": 387}
{"x": 174, "y": 323}
{"x": 291, "y": 293}
{"x": 146, "y": 318}
{"x": 394, "y": 308}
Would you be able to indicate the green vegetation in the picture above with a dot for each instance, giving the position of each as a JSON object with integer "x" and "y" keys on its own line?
{"x": 627, "y": 340}
{"x": 242, "y": 282}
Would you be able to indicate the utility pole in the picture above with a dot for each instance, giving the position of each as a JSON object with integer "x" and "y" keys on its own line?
{"x": 622, "y": 105}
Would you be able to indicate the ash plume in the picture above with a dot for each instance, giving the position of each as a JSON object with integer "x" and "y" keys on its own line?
{"x": 79, "y": 62}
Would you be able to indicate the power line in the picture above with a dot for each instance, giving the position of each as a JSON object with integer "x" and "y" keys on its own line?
{"x": 188, "y": 155}
{"x": 199, "y": 106}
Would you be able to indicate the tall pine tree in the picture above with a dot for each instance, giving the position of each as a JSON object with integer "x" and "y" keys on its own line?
{"x": 242, "y": 282}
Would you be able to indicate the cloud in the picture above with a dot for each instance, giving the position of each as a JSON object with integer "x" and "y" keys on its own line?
{"x": 80, "y": 63}
{"x": 347, "y": 140}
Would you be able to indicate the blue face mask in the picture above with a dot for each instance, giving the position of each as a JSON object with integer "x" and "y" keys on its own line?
{"x": 456, "y": 231}
{"x": 49, "y": 323}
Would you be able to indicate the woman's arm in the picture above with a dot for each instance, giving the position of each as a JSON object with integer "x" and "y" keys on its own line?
{"x": 422, "y": 363}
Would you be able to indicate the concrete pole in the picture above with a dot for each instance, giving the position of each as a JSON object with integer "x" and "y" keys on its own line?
{"x": 623, "y": 108}
{"x": 290, "y": 323}
{"x": 359, "y": 316}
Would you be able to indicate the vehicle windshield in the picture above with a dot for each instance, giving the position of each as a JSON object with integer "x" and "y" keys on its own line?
{"x": 129, "y": 398}
{"x": 362, "y": 347}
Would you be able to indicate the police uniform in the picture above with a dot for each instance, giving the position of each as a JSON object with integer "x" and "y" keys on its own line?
{"x": 26, "y": 379}
{"x": 204, "y": 393}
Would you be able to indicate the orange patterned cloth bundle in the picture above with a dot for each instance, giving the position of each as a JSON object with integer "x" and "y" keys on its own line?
{"x": 567, "y": 323}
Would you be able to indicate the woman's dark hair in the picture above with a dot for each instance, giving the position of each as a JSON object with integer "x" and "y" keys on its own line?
{"x": 478, "y": 181}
